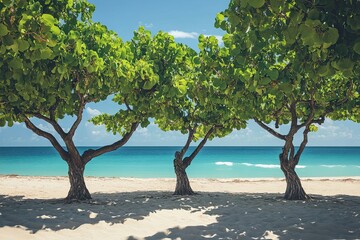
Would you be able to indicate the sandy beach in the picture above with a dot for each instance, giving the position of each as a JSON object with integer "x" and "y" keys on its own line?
{"x": 129, "y": 208}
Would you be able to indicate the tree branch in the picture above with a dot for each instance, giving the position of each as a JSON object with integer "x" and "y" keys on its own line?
{"x": 310, "y": 118}
{"x": 294, "y": 119}
{"x": 302, "y": 146}
{"x": 270, "y": 130}
{"x": 53, "y": 123}
{"x": 90, "y": 154}
{"x": 127, "y": 105}
{"x": 53, "y": 108}
{"x": 292, "y": 151}
{"x": 306, "y": 124}
{"x": 188, "y": 142}
{"x": 187, "y": 161}
{"x": 75, "y": 125}
{"x": 64, "y": 154}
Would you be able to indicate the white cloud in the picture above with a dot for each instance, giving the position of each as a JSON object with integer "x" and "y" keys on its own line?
{"x": 34, "y": 138}
{"x": 193, "y": 35}
{"x": 181, "y": 34}
{"x": 96, "y": 133}
{"x": 142, "y": 131}
{"x": 92, "y": 112}
{"x": 332, "y": 130}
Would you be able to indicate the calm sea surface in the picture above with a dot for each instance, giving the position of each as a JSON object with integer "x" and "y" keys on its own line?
{"x": 212, "y": 162}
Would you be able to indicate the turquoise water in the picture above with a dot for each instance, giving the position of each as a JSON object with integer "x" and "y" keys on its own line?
{"x": 212, "y": 162}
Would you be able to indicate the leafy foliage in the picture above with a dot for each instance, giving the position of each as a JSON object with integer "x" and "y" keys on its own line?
{"x": 50, "y": 60}
{"x": 295, "y": 51}
{"x": 299, "y": 60}
{"x": 54, "y": 60}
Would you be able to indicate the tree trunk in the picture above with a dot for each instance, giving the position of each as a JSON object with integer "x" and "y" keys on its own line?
{"x": 182, "y": 181}
{"x": 78, "y": 190}
{"x": 294, "y": 190}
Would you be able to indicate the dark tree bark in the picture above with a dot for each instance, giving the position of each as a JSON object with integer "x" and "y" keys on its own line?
{"x": 180, "y": 163}
{"x": 78, "y": 190}
{"x": 294, "y": 189}
{"x": 182, "y": 181}
{"x": 289, "y": 158}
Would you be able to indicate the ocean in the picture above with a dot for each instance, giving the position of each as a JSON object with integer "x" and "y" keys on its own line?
{"x": 212, "y": 162}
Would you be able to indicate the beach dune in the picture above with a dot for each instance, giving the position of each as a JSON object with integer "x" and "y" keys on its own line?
{"x": 129, "y": 208}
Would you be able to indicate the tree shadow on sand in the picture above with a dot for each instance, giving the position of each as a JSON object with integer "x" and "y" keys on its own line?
{"x": 257, "y": 216}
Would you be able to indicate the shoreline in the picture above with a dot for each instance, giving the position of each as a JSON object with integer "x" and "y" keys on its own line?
{"x": 141, "y": 208}
{"x": 41, "y": 186}
{"x": 357, "y": 178}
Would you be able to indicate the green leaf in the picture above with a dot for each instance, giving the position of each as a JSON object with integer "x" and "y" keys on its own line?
{"x": 275, "y": 5}
{"x": 22, "y": 45}
{"x": 220, "y": 17}
{"x": 25, "y": 95}
{"x": 286, "y": 87}
{"x": 313, "y": 128}
{"x": 290, "y": 35}
{"x": 313, "y": 14}
{"x": 10, "y": 123}
{"x": 265, "y": 81}
{"x": 48, "y": 19}
{"x": 256, "y": 3}
{"x": 273, "y": 74}
{"x": 13, "y": 98}
{"x": 220, "y": 83}
{"x": 16, "y": 63}
{"x": 149, "y": 85}
{"x": 227, "y": 38}
{"x": 8, "y": 40}
{"x": 46, "y": 53}
{"x": 2, "y": 122}
{"x": 345, "y": 64}
{"x": 3, "y": 30}
{"x": 196, "y": 60}
{"x": 331, "y": 36}
{"x": 308, "y": 35}
{"x": 55, "y": 30}
{"x": 356, "y": 47}
{"x": 324, "y": 70}
{"x": 182, "y": 89}
{"x": 145, "y": 123}
{"x": 15, "y": 47}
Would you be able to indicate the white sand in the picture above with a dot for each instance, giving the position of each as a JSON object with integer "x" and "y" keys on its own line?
{"x": 127, "y": 208}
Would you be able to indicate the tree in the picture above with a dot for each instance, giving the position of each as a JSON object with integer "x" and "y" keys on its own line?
{"x": 195, "y": 104}
{"x": 298, "y": 59}
{"x": 186, "y": 96}
{"x": 54, "y": 61}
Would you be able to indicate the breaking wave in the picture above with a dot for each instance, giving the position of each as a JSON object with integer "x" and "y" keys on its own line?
{"x": 229, "y": 164}
{"x": 267, "y": 165}
{"x": 261, "y": 165}
{"x": 333, "y": 166}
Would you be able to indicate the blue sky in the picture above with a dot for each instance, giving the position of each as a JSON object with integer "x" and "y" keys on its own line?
{"x": 185, "y": 20}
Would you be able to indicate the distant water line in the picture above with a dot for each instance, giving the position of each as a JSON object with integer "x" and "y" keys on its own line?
{"x": 212, "y": 162}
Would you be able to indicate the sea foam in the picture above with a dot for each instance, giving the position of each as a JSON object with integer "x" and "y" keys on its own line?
{"x": 267, "y": 165}
{"x": 261, "y": 165}
{"x": 229, "y": 164}
{"x": 333, "y": 166}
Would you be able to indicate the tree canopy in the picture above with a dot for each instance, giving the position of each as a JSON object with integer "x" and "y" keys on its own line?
{"x": 201, "y": 108}
{"x": 291, "y": 63}
{"x": 54, "y": 61}
{"x": 300, "y": 61}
